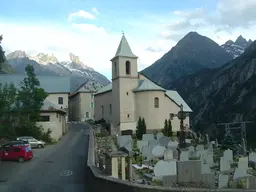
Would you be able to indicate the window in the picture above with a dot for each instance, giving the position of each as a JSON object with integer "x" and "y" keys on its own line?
{"x": 91, "y": 95}
{"x": 45, "y": 118}
{"x": 128, "y": 116}
{"x": 171, "y": 116}
{"x": 156, "y": 102}
{"x": 92, "y": 105}
{"x": 60, "y": 100}
{"x": 127, "y": 93}
{"x": 87, "y": 115}
{"x": 110, "y": 109}
{"x": 128, "y": 67}
{"x": 102, "y": 111}
{"x": 115, "y": 69}
{"x": 16, "y": 149}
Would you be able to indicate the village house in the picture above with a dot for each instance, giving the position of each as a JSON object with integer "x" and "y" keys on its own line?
{"x": 53, "y": 114}
{"x": 81, "y": 101}
{"x": 132, "y": 95}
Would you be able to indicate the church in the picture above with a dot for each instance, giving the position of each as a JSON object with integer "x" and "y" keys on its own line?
{"x": 132, "y": 95}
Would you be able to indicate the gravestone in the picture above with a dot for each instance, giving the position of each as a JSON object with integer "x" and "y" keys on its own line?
{"x": 163, "y": 168}
{"x": 239, "y": 172}
{"x": 206, "y": 140}
{"x": 224, "y": 164}
{"x": 168, "y": 154}
{"x": 200, "y": 153}
{"x": 173, "y": 144}
{"x": 209, "y": 159}
{"x": 199, "y": 147}
{"x": 147, "y": 137}
{"x": 164, "y": 141}
{"x": 244, "y": 147}
{"x": 147, "y": 152}
{"x": 184, "y": 156}
{"x": 159, "y": 135}
{"x": 152, "y": 143}
{"x": 228, "y": 155}
{"x": 175, "y": 153}
{"x": 210, "y": 149}
{"x": 243, "y": 163}
{"x": 252, "y": 157}
{"x": 205, "y": 167}
{"x": 191, "y": 151}
{"x": 223, "y": 180}
{"x": 123, "y": 140}
{"x": 189, "y": 171}
{"x": 158, "y": 151}
{"x": 140, "y": 144}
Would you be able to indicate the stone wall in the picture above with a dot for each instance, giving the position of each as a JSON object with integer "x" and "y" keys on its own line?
{"x": 97, "y": 182}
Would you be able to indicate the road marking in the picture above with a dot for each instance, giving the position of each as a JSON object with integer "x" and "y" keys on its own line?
{"x": 66, "y": 173}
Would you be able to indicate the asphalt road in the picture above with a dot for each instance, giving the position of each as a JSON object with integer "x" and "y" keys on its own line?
{"x": 55, "y": 168}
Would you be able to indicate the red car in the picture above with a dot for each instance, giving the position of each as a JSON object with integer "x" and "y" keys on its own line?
{"x": 16, "y": 150}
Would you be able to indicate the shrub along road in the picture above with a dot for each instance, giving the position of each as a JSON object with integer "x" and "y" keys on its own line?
{"x": 55, "y": 168}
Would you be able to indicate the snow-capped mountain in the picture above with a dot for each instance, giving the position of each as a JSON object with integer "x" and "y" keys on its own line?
{"x": 48, "y": 64}
{"x": 235, "y": 49}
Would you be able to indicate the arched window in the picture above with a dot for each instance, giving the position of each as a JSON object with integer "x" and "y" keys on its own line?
{"x": 156, "y": 102}
{"x": 110, "y": 109}
{"x": 115, "y": 69}
{"x": 128, "y": 67}
{"x": 102, "y": 111}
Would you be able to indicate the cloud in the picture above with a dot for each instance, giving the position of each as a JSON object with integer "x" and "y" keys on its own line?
{"x": 234, "y": 13}
{"x": 89, "y": 28}
{"x": 81, "y": 14}
{"x": 94, "y": 10}
{"x": 228, "y": 20}
{"x": 151, "y": 49}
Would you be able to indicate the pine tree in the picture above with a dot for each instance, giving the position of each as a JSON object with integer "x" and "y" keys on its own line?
{"x": 165, "y": 130}
{"x": 144, "y": 127}
{"x": 139, "y": 132}
{"x": 169, "y": 132}
{"x": 229, "y": 143}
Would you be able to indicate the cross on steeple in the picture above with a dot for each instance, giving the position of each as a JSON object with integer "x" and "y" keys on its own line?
{"x": 123, "y": 32}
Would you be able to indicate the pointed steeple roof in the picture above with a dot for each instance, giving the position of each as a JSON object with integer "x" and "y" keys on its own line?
{"x": 124, "y": 49}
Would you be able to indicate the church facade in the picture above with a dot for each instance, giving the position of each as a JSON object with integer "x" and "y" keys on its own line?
{"x": 132, "y": 95}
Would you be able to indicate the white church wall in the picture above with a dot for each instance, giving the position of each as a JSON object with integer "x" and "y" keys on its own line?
{"x": 155, "y": 117}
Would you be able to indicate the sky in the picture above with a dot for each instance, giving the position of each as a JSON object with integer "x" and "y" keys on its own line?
{"x": 92, "y": 29}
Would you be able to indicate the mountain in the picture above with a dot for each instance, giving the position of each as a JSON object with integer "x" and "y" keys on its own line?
{"x": 191, "y": 54}
{"x": 45, "y": 64}
{"x": 222, "y": 94}
{"x": 236, "y": 48}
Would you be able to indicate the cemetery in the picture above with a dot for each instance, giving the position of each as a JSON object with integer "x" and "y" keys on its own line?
{"x": 172, "y": 160}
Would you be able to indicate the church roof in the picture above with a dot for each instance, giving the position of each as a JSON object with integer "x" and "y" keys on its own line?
{"x": 124, "y": 49}
{"x": 105, "y": 89}
{"x": 147, "y": 85}
{"x": 174, "y": 95}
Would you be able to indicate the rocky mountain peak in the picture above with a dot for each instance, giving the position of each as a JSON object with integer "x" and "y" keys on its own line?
{"x": 240, "y": 41}
{"x": 75, "y": 59}
{"x": 229, "y": 42}
{"x": 43, "y": 58}
{"x": 18, "y": 54}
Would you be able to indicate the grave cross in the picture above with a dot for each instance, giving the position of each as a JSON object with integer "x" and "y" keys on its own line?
{"x": 182, "y": 116}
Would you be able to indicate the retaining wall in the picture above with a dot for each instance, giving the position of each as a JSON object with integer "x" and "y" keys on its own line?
{"x": 97, "y": 182}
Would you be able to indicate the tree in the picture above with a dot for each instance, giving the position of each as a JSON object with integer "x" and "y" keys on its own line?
{"x": 165, "y": 129}
{"x": 30, "y": 99}
{"x": 144, "y": 127}
{"x": 169, "y": 130}
{"x": 141, "y": 128}
{"x": 2, "y": 56}
{"x": 7, "y": 101}
{"x": 229, "y": 143}
{"x": 139, "y": 131}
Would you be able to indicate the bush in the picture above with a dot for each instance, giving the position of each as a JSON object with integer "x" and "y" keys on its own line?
{"x": 46, "y": 136}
